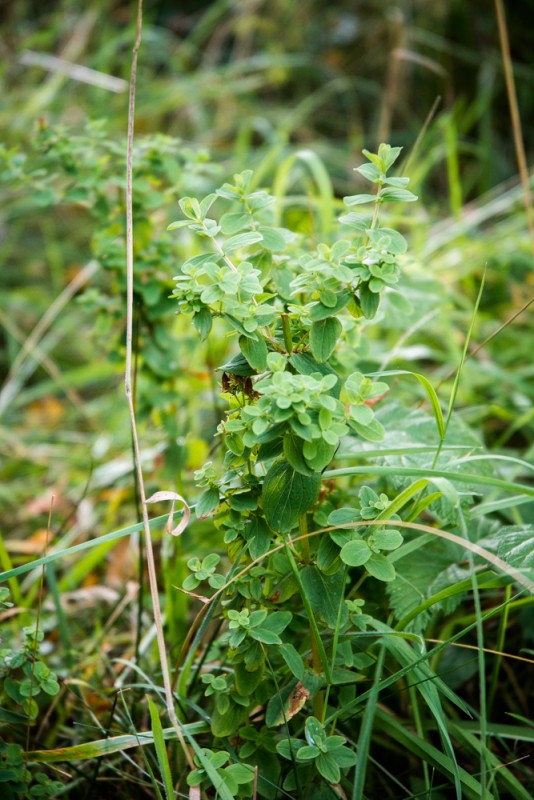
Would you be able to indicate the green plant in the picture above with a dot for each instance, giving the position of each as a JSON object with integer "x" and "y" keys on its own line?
{"x": 292, "y": 616}
{"x": 24, "y": 676}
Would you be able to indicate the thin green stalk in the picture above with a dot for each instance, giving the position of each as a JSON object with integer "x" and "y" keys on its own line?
{"x": 364, "y": 739}
{"x": 484, "y": 772}
{"x": 419, "y": 727}
{"x": 456, "y": 384}
{"x": 501, "y": 636}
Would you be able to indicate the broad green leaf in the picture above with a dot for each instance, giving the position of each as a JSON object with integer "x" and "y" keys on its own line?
{"x": 323, "y": 337}
{"x": 386, "y": 539}
{"x": 392, "y": 195}
{"x": 202, "y": 321}
{"x": 325, "y": 593}
{"x": 273, "y": 239}
{"x": 355, "y": 553}
{"x": 369, "y": 301}
{"x": 373, "y": 432}
{"x": 380, "y": 567}
{"x": 265, "y": 636}
{"x": 247, "y": 682}
{"x": 228, "y": 723}
{"x": 319, "y": 311}
{"x": 324, "y": 453}
{"x": 278, "y": 621}
{"x": 233, "y": 222}
{"x": 359, "y": 199}
{"x": 293, "y": 660}
{"x": 327, "y": 766}
{"x": 255, "y": 351}
{"x": 241, "y": 240}
{"x": 516, "y": 546}
{"x": 287, "y": 495}
{"x": 293, "y": 446}
{"x": 207, "y": 502}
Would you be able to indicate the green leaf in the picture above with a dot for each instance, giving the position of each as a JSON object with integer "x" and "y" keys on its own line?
{"x": 293, "y": 660}
{"x": 324, "y": 453}
{"x": 314, "y": 732}
{"x": 247, "y": 682}
{"x": 258, "y": 537}
{"x": 240, "y": 773}
{"x": 207, "y": 502}
{"x": 293, "y": 445}
{"x": 254, "y": 349}
{"x": 373, "y": 432}
{"x": 369, "y": 301}
{"x": 228, "y": 723}
{"x": 273, "y": 239}
{"x": 241, "y": 240}
{"x": 380, "y": 568}
{"x": 323, "y": 337}
{"x": 233, "y": 222}
{"x": 386, "y": 539}
{"x": 202, "y": 321}
{"x": 287, "y": 495}
{"x": 265, "y": 636}
{"x": 327, "y": 766}
{"x": 320, "y": 311}
{"x": 355, "y": 553}
{"x": 305, "y": 364}
{"x": 325, "y": 593}
{"x": 516, "y": 546}
{"x": 278, "y": 621}
{"x": 161, "y": 751}
{"x": 392, "y": 195}
{"x": 359, "y": 199}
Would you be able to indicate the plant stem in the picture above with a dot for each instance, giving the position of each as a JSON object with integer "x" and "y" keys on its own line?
{"x": 151, "y": 564}
{"x": 286, "y": 330}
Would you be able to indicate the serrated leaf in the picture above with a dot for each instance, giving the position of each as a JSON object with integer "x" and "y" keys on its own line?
{"x": 287, "y": 495}
{"x": 323, "y": 337}
{"x": 516, "y": 546}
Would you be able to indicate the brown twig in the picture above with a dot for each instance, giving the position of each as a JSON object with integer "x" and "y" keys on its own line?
{"x": 514, "y": 114}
